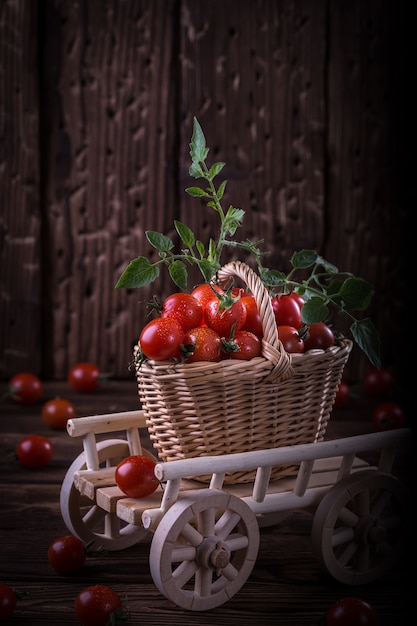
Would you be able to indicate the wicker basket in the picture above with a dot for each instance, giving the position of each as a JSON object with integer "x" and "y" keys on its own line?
{"x": 201, "y": 409}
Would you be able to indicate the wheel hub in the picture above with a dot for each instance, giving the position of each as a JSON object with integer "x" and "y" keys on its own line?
{"x": 370, "y": 531}
{"x": 213, "y": 554}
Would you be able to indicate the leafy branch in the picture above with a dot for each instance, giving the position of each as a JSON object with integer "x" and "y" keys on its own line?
{"x": 324, "y": 288}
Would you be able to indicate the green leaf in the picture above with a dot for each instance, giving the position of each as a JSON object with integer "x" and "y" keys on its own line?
{"x": 159, "y": 241}
{"x": 138, "y": 273}
{"x": 233, "y": 220}
{"x": 196, "y": 171}
{"x": 198, "y": 150}
{"x": 186, "y": 234}
{"x": 179, "y": 274}
{"x": 272, "y": 278}
{"x": 303, "y": 259}
{"x": 208, "y": 269}
{"x": 197, "y": 192}
{"x": 313, "y": 311}
{"x": 367, "y": 338}
{"x": 200, "y": 248}
{"x": 215, "y": 169}
{"x": 356, "y": 293}
{"x": 221, "y": 189}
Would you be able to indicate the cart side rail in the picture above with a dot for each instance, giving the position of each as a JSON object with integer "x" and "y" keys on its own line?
{"x": 300, "y": 453}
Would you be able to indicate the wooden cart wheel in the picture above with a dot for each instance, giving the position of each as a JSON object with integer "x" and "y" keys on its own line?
{"x": 359, "y": 528}
{"x": 88, "y": 521}
{"x": 204, "y": 549}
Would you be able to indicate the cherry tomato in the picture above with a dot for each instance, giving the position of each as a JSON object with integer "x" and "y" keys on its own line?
{"x": 387, "y": 416}
{"x": 287, "y": 311}
{"x": 183, "y": 307}
{"x": 67, "y": 554}
{"x": 8, "y": 601}
{"x": 222, "y": 320}
{"x": 342, "y": 395}
{"x": 135, "y": 476}
{"x": 161, "y": 338}
{"x": 56, "y": 412}
{"x": 205, "y": 343}
{"x": 204, "y": 292}
{"x": 298, "y": 299}
{"x": 84, "y": 377}
{"x": 25, "y": 388}
{"x": 320, "y": 336}
{"x": 253, "y": 321}
{"x": 378, "y": 382}
{"x": 95, "y": 605}
{"x": 290, "y": 339}
{"x": 351, "y": 612}
{"x": 249, "y": 346}
{"x": 34, "y": 451}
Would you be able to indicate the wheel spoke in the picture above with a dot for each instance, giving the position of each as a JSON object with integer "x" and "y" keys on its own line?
{"x": 226, "y": 523}
{"x": 93, "y": 517}
{"x": 236, "y": 542}
{"x": 191, "y": 535}
{"x": 348, "y": 517}
{"x": 342, "y": 535}
{"x": 381, "y": 503}
{"x": 203, "y": 581}
{"x": 184, "y": 572}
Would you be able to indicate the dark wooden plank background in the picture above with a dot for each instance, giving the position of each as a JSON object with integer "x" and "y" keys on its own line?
{"x": 302, "y": 99}
{"x": 286, "y": 586}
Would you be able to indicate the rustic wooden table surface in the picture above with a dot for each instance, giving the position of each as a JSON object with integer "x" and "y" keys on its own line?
{"x": 287, "y": 586}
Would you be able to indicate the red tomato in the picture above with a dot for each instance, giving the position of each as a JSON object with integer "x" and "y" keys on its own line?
{"x": 290, "y": 339}
{"x": 387, "y": 416}
{"x": 34, "y": 451}
{"x": 378, "y": 382}
{"x": 222, "y": 320}
{"x": 67, "y": 554}
{"x": 161, "y": 339}
{"x": 253, "y": 321}
{"x": 249, "y": 346}
{"x": 95, "y": 605}
{"x": 204, "y": 292}
{"x": 287, "y": 311}
{"x": 183, "y": 307}
{"x": 25, "y": 388}
{"x": 8, "y": 601}
{"x": 320, "y": 336}
{"x": 204, "y": 344}
{"x": 298, "y": 299}
{"x": 135, "y": 476}
{"x": 84, "y": 377}
{"x": 351, "y": 612}
{"x": 342, "y": 395}
{"x": 56, "y": 412}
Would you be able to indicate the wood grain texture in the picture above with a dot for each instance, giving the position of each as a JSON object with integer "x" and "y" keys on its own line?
{"x": 20, "y": 214}
{"x": 303, "y": 100}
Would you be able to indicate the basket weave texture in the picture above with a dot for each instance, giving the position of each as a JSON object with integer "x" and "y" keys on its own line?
{"x": 277, "y": 399}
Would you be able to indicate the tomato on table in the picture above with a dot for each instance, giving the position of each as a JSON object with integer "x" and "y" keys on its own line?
{"x": 8, "y": 601}
{"x": 378, "y": 381}
{"x": 67, "y": 554}
{"x": 34, "y": 451}
{"x": 56, "y": 412}
{"x": 84, "y": 377}
{"x": 97, "y": 605}
{"x": 342, "y": 395}
{"x": 387, "y": 416}
{"x": 135, "y": 476}
{"x": 351, "y": 611}
{"x": 25, "y": 388}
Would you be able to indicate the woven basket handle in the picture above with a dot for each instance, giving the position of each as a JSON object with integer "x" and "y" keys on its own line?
{"x": 272, "y": 348}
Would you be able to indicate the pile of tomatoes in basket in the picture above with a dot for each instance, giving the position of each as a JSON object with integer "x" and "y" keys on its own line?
{"x": 200, "y": 326}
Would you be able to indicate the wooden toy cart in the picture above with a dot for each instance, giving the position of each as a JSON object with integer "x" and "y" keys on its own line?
{"x": 206, "y": 536}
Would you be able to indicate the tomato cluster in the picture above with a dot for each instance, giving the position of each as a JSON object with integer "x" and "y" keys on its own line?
{"x": 205, "y": 325}
{"x": 210, "y": 324}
